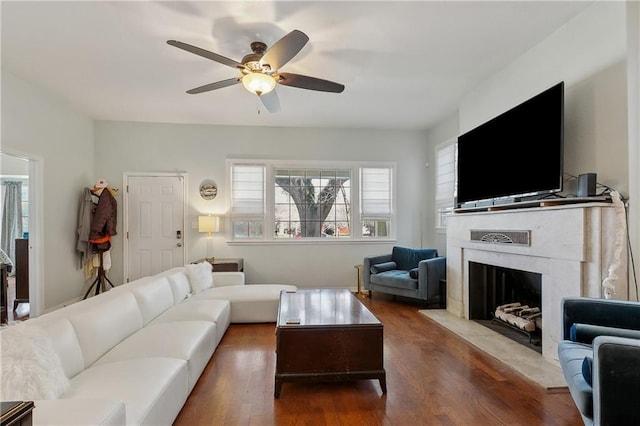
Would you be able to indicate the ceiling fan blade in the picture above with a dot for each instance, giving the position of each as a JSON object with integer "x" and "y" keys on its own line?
{"x": 213, "y": 86}
{"x": 271, "y": 101}
{"x": 310, "y": 83}
{"x": 284, "y": 49}
{"x": 206, "y": 54}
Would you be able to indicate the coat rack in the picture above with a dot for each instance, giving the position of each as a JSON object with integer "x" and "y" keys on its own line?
{"x": 99, "y": 282}
{"x": 97, "y": 226}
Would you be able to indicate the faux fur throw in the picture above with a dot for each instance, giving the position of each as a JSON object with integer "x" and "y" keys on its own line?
{"x": 31, "y": 369}
{"x": 200, "y": 276}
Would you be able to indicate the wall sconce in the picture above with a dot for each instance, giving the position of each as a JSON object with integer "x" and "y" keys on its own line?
{"x": 208, "y": 224}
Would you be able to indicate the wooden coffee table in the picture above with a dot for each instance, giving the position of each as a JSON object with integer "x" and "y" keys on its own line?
{"x": 326, "y": 335}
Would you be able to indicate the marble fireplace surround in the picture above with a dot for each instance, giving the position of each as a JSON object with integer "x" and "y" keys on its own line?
{"x": 571, "y": 246}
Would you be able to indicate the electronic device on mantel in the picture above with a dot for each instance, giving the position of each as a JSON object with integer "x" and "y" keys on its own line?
{"x": 516, "y": 156}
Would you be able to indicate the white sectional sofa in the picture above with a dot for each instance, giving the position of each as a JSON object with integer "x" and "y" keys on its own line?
{"x": 133, "y": 354}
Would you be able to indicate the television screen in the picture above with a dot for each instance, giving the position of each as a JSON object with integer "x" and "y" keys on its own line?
{"x": 516, "y": 154}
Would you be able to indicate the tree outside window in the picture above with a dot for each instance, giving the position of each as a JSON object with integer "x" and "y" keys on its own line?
{"x": 312, "y": 203}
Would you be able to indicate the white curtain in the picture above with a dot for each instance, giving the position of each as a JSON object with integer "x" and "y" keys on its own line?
{"x": 11, "y": 218}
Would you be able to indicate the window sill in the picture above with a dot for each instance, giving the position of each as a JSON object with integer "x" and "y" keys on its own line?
{"x": 314, "y": 241}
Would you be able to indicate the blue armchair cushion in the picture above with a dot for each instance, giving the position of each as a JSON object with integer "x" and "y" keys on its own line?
{"x": 395, "y": 278}
{"x": 587, "y": 367}
{"x": 383, "y": 267}
{"x": 408, "y": 258}
{"x": 585, "y": 333}
{"x": 414, "y": 273}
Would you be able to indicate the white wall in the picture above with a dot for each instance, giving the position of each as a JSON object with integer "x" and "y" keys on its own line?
{"x": 36, "y": 124}
{"x": 201, "y": 151}
{"x": 588, "y": 54}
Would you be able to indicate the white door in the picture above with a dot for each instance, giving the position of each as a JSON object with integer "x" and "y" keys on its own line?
{"x": 155, "y": 218}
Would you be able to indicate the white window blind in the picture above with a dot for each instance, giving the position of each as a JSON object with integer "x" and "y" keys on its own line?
{"x": 247, "y": 197}
{"x": 375, "y": 193}
{"x": 445, "y": 182}
{"x": 247, "y": 200}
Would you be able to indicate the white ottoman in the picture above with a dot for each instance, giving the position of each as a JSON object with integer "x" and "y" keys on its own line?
{"x": 250, "y": 303}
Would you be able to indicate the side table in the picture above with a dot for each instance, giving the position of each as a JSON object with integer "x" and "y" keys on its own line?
{"x": 16, "y": 413}
{"x": 220, "y": 264}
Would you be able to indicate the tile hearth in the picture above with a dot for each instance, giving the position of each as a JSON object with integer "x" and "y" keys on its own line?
{"x": 524, "y": 360}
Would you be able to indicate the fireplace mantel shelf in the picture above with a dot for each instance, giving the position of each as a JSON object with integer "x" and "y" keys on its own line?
{"x": 601, "y": 200}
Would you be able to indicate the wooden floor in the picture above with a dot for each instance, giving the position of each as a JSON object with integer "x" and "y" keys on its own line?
{"x": 433, "y": 378}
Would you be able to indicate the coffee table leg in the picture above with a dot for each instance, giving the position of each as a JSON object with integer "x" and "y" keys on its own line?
{"x": 383, "y": 383}
{"x": 277, "y": 388}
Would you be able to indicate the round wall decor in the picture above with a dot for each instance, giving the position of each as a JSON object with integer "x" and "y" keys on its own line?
{"x": 208, "y": 189}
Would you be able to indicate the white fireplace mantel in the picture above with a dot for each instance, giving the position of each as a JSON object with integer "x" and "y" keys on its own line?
{"x": 571, "y": 246}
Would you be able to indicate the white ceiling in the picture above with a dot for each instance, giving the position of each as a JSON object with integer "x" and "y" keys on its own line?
{"x": 404, "y": 64}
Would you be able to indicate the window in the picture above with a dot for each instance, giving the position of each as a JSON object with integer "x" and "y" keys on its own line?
{"x": 445, "y": 181}
{"x": 375, "y": 201}
{"x": 247, "y": 201}
{"x": 279, "y": 201}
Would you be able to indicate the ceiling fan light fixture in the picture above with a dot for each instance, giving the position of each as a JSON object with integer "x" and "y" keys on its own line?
{"x": 258, "y": 83}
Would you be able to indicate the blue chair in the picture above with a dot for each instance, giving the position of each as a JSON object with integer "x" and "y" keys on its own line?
{"x": 600, "y": 358}
{"x": 407, "y": 272}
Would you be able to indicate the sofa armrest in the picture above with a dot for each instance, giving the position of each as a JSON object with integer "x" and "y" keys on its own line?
{"x": 430, "y": 272}
{"x": 366, "y": 267}
{"x": 604, "y": 312}
{"x": 616, "y": 380}
{"x": 223, "y": 279}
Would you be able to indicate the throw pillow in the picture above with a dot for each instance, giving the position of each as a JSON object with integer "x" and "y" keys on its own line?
{"x": 414, "y": 273}
{"x": 200, "y": 276}
{"x": 31, "y": 368}
{"x": 382, "y": 267}
{"x": 587, "y": 365}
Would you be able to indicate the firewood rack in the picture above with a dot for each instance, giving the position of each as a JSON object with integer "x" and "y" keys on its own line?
{"x": 529, "y": 334}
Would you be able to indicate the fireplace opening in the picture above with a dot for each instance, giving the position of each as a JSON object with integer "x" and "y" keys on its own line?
{"x": 508, "y": 301}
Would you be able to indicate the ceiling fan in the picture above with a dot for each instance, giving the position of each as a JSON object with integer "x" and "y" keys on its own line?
{"x": 260, "y": 69}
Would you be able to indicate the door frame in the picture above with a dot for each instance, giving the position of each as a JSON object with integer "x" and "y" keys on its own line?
{"x": 125, "y": 213}
{"x": 36, "y": 227}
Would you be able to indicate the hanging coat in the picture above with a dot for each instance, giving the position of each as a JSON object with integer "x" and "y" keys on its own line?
{"x": 103, "y": 225}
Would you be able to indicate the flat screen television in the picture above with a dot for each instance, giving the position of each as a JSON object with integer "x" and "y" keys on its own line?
{"x": 515, "y": 156}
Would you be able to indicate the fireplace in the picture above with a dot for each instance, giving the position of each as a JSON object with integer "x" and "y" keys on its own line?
{"x": 569, "y": 247}
{"x": 508, "y": 301}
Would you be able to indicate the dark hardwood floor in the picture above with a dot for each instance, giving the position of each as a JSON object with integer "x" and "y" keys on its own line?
{"x": 433, "y": 378}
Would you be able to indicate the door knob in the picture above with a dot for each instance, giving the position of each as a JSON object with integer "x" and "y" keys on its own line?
{"x": 179, "y": 244}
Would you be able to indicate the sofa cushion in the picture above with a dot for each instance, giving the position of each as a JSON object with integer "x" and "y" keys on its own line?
{"x": 383, "y": 267}
{"x": 101, "y": 326}
{"x": 251, "y": 303}
{"x": 180, "y": 286}
{"x": 86, "y": 411}
{"x": 192, "y": 341}
{"x": 200, "y": 276}
{"x": 153, "y": 297}
{"x": 571, "y": 356}
{"x": 30, "y": 368}
{"x": 64, "y": 340}
{"x": 408, "y": 258}
{"x": 214, "y": 310}
{"x": 396, "y": 278}
{"x": 152, "y": 389}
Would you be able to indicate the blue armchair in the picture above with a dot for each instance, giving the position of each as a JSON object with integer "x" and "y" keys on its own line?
{"x": 600, "y": 358}
{"x": 407, "y": 272}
